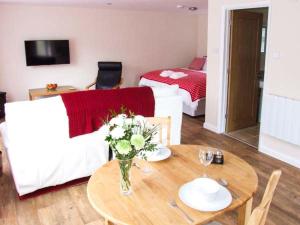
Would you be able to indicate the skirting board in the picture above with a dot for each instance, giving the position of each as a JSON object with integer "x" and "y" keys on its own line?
{"x": 266, "y": 150}
{"x": 211, "y": 127}
{"x": 278, "y": 155}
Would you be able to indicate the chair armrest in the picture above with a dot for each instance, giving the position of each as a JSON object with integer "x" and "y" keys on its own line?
{"x": 114, "y": 87}
{"x": 90, "y": 85}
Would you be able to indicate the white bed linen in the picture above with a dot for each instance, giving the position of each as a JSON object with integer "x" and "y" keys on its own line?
{"x": 171, "y": 106}
{"x": 39, "y": 149}
{"x": 186, "y": 96}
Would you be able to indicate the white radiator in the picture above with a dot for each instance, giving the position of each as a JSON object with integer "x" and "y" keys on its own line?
{"x": 281, "y": 118}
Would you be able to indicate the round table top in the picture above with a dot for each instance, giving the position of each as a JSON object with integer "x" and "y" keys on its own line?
{"x": 151, "y": 191}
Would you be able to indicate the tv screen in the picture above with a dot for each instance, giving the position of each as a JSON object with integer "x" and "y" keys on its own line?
{"x": 47, "y": 52}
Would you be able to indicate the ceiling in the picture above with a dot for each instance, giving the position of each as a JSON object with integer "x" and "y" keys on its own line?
{"x": 154, "y": 5}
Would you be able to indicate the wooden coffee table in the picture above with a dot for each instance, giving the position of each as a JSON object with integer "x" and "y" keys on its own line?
{"x": 43, "y": 92}
{"x": 151, "y": 192}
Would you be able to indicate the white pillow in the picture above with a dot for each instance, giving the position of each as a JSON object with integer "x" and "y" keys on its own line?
{"x": 165, "y": 91}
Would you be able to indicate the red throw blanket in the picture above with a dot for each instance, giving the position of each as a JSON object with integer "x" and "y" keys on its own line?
{"x": 194, "y": 83}
{"x": 88, "y": 109}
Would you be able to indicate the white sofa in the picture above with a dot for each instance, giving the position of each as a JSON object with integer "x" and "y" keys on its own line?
{"x": 39, "y": 149}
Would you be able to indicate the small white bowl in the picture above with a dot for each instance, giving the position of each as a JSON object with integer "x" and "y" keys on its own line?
{"x": 208, "y": 188}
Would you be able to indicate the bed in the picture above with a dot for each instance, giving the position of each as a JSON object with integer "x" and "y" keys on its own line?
{"x": 192, "y": 88}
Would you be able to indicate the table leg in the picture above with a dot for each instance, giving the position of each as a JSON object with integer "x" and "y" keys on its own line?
{"x": 107, "y": 222}
{"x": 244, "y": 212}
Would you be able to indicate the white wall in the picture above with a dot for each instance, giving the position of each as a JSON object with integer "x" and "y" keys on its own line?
{"x": 282, "y": 76}
{"x": 202, "y": 34}
{"x": 141, "y": 40}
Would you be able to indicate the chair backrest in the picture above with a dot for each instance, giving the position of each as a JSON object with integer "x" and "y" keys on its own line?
{"x": 259, "y": 214}
{"x": 109, "y": 75}
{"x": 164, "y": 124}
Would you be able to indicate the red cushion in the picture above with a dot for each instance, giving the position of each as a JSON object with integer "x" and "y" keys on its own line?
{"x": 197, "y": 63}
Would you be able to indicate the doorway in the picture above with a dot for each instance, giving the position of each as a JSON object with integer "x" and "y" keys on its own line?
{"x": 246, "y": 67}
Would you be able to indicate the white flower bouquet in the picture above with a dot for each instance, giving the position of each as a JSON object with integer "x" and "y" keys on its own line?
{"x": 129, "y": 136}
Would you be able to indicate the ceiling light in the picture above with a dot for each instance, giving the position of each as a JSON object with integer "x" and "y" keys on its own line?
{"x": 193, "y": 8}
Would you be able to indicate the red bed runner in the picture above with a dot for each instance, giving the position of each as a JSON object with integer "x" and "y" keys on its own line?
{"x": 88, "y": 109}
{"x": 194, "y": 83}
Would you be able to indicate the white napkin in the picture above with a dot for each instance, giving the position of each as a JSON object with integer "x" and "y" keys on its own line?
{"x": 178, "y": 75}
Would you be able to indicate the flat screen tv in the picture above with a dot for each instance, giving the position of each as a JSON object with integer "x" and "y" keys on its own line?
{"x": 47, "y": 52}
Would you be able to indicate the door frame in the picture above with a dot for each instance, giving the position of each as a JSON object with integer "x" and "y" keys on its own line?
{"x": 224, "y": 56}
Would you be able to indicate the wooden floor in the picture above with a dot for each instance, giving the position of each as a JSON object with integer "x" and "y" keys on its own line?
{"x": 249, "y": 135}
{"x": 70, "y": 206}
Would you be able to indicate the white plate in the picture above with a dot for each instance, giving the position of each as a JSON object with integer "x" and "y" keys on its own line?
{"x": 189, "y": 195}
{"x": 162, "y": 154}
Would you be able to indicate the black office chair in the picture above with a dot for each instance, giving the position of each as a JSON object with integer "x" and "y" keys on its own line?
{"x": 109, "y": 76}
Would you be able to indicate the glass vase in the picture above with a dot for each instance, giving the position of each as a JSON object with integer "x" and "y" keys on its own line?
{"x": 125, "y": 185}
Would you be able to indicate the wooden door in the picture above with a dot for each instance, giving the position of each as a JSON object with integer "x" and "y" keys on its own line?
{"x": 243, "y": 84}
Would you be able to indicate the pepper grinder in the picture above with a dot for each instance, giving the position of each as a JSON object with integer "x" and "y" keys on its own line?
{"x": 218, "y": 157}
